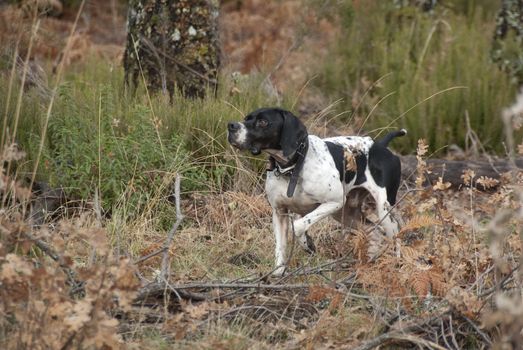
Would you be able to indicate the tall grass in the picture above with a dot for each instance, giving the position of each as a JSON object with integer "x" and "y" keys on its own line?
{"x": 126, "y": 146}
{"x": 434, "y": 72}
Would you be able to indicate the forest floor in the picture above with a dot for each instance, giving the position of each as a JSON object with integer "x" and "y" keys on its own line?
{"x": 450, "y": 280}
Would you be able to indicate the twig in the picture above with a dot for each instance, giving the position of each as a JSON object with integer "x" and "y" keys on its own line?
{"x": 444, "y": 336}
{"x": 480, "y": 332}
{"x": 403, "y": 334}
{"x": 263, "y": 308}
{"x": 501, "y": 284}
{"x": 452, "y": 333}
{"x": 164, "y": 275}
{"x": 155, "y": 288}
{"x": 76, "y": 285}
{"x": 402, "y": 337}
{"x": 242, "y": 286}
{"x": 149, "y": 256}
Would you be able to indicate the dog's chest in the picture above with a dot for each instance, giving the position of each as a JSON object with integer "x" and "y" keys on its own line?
{"x": 318, "y": 182}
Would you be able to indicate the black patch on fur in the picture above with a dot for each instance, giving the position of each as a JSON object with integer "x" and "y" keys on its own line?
{"x": 361, "y": 165}
{"x": 338, "y": 154}
{"x": 292, "y": 134}
{"x": 385, "y": 168}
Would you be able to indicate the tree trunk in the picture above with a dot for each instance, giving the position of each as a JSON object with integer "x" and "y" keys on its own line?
{"x": 173, "y": 43}
{"x": 507, "y": 46}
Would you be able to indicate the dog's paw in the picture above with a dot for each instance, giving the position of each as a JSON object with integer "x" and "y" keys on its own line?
{"x": 280, "y": 270}
{"x": 307, "y": 243}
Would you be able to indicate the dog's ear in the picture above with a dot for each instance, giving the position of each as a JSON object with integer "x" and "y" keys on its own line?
{"x": 293, "y": 132}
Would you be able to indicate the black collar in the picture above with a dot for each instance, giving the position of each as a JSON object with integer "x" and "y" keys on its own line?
{"x": 293, "y": 167}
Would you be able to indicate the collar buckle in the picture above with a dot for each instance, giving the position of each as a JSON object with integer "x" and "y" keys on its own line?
{"x": 283, "y": 171}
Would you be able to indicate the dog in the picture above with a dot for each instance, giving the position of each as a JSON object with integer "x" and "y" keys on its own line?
{"x": 315, "y": 178}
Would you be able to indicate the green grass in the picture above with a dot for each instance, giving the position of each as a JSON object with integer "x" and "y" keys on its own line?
{"x": 129, "y": 146}
{"x": 423, "y": 71}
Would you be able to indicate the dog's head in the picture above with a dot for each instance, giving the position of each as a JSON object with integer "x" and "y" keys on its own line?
{"x": 268, "y": 128}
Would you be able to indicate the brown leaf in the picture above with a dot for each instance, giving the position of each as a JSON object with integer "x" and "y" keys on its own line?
{"x": 440, "y": 185}
{"x": 467, "y": 177}
{"x": 197, "y": 312}
{"x": 80, "y": 315}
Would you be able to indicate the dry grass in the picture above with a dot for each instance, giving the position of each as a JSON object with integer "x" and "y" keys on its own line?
{"x": 457, "y": 272}
{"x": 72, "y": 283}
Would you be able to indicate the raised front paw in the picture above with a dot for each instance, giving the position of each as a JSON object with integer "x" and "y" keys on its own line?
{"x": 307, "y": 243}
{"x": 280, "y": 270}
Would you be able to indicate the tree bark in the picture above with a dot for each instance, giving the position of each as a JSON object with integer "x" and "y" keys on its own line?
{"x": 507, "y": 49}
{"x": 172, "y": 43}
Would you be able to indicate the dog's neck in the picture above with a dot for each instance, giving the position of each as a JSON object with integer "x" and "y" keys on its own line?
{"x": 286, "y": 164}
{"x": 278, "y": 156}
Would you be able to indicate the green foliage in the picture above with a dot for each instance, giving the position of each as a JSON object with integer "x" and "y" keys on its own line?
{"x": 87, "y": 151}
{"x": 401, "y": 67}
{"x": 129, "y": 148}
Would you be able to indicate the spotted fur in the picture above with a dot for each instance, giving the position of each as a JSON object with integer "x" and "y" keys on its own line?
{"x": 325, "y": 181}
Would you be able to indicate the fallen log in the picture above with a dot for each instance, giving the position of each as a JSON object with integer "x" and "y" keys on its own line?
{"x": 451, "y": 170}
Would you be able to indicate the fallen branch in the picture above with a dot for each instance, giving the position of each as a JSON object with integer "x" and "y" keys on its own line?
{"x": 404, "y": 334}
{"x": 451, "y": 170}
{"x": 387, "y": 337}
{"x": 76, "y": 285}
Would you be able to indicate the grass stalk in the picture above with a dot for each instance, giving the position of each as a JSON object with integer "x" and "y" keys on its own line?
{"x": 54, "y": 92}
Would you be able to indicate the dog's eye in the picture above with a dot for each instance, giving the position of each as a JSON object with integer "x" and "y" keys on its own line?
{"x": 262, "y": 123}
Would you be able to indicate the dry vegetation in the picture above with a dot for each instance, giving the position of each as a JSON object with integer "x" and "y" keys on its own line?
{"x": 86, "y": 279}
{"x": 454, "y": 284}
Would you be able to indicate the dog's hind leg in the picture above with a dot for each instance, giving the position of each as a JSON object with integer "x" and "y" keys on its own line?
{"x": 388, "y": 222}
{"x": 351, "y": 215}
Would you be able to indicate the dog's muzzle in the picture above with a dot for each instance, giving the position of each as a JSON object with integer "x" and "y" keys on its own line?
{"x": 238, "y": 137}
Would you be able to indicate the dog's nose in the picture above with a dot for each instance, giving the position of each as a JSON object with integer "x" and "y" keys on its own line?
{"x": 232, "y": 126}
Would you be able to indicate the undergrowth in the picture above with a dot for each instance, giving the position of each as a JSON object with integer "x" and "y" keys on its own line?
{"x": 451, "y": 279}
{"x": 103, "y": 139}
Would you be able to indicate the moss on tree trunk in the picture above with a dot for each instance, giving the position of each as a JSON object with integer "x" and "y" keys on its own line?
{"x": 174, "y": 43}
{"x": 507, "y": 47}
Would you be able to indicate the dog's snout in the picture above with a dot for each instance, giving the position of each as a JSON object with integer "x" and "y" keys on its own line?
{"x": 232, "y": 126}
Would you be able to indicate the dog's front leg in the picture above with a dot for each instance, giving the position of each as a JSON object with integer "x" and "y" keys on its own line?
{"x": 301, "y": 225}
{"x": 280, "y": 223}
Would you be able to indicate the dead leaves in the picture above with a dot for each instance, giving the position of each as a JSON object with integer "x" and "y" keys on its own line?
{"x": 419, "y": 221}
{"x": 440, "y": 185}
{"x": 36, "y": 291}
{"x": 350, "y": 160}
{"x": 487, "y": 182}
{"x": 467, "y": 176}
{"x": 422, "y": 164}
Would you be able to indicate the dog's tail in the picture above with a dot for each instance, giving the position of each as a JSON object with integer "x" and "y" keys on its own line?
{"x": 391, "y": 135}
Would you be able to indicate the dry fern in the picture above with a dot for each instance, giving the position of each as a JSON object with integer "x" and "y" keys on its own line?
{"x": 417, "y": 222}
{"x": 487, "y": 182}
{"x": 422, "y": 165}
{"x": 440, "y": 185}
{"x": 360, "y": 243}
{"x": 467, "y": 176}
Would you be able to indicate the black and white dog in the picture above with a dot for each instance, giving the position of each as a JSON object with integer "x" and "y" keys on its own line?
{"x": 313, "y": 177}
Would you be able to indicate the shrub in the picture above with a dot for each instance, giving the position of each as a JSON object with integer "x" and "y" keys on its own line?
{"x": 131, "y": 147}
